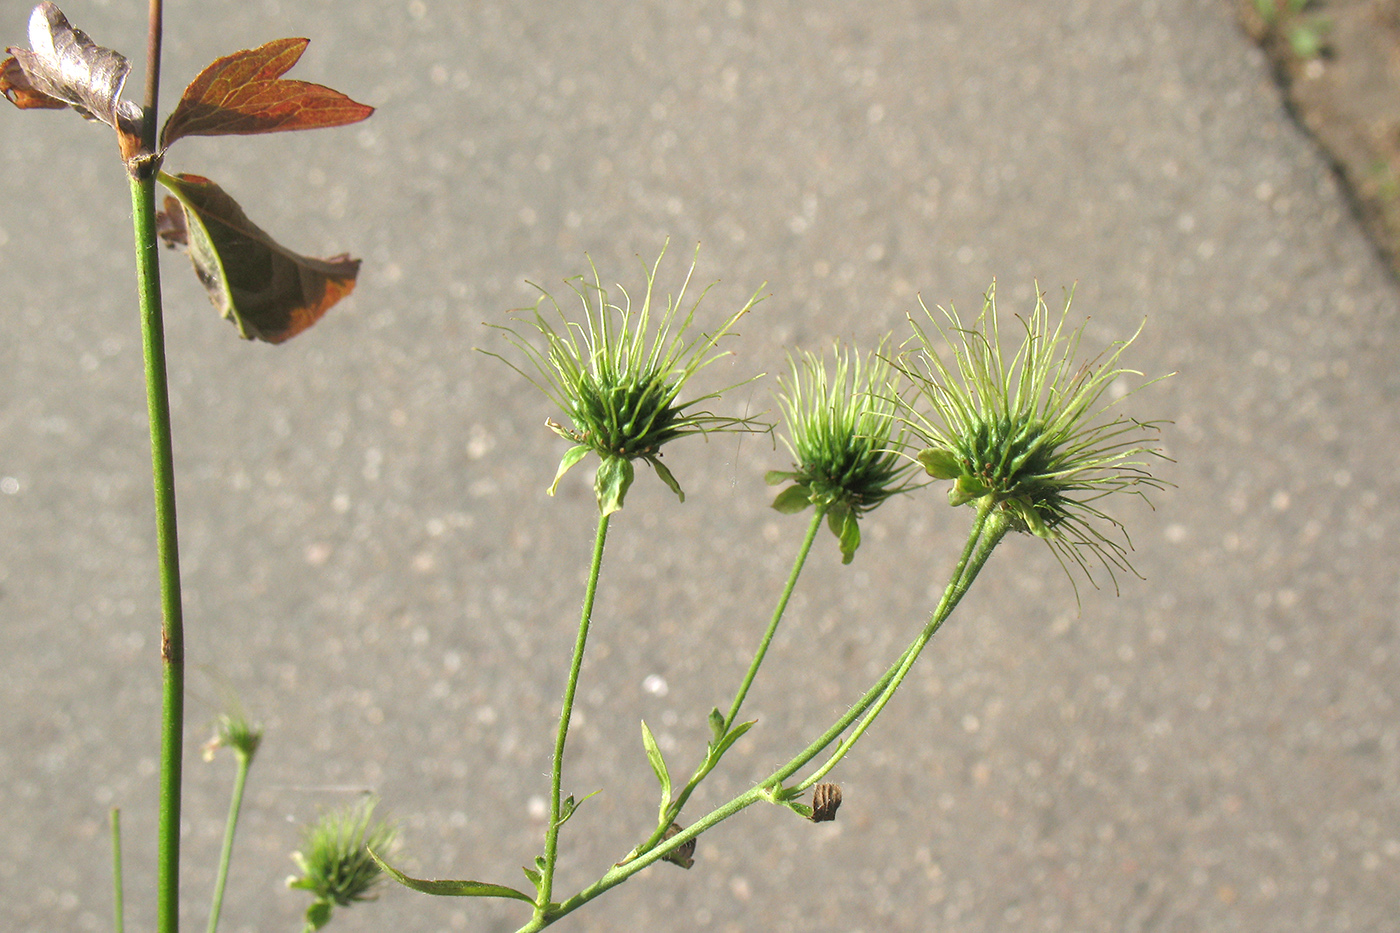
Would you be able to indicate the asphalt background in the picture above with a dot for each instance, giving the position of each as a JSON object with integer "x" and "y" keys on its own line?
{"x": 372, "y": 564}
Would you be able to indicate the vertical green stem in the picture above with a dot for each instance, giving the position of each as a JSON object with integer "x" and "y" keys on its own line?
{"x": 118, "y": 900}
{"x": 172, "y": 636}
{"x": 230, "y": 828}
{"x": 551, "y": 839}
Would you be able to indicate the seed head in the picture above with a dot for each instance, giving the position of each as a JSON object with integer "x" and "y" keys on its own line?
{"x": 845, "y": 437}
{"x": 618, "y": 374}
{"x": 334, "y": 859}
{"x": 1030, "y": 434}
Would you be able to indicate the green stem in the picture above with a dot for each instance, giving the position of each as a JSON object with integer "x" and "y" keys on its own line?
{"x": 118, "y": 899}
{"x": 711, "y": 760}
{"x": 172, "y": 638}
{"x": 230, "y": 828}
{"x": 551, "y": 839}
{"x": 989, "y": 527}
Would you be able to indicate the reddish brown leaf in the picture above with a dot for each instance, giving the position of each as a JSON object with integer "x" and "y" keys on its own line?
{"x": 14, "y": 84}
{"x": 62, "y": 66}
{"x": 268, "y": 291}
{"x": 244, "y": 94}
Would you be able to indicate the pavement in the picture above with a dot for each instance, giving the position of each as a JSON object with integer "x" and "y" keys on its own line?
{"x": 372, "y": 566}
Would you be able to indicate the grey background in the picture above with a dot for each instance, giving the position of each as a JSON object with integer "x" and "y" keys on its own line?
{"x": 372, "y": 565}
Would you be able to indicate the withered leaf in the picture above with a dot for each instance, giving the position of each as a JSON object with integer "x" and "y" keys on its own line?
{"x": 244, "y": 94}
{"x": 62, "y": 66}
{"x": 268, "y": 291}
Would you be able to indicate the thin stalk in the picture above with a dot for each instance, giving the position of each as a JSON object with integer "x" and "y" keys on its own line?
{"x": 989, "y": 527}
{"x": 551, "y": 838}
{"x": 172, "y": 638}
{"x": 711, "y": 760}
{"x": 118, "y": 899}
{"x": 230, "y": 828}
{"x": 988, "y": 530}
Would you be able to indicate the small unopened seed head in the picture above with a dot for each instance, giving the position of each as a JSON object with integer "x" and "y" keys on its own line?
{"x": 684, "y": 854}
{"x": 826, "y": 798}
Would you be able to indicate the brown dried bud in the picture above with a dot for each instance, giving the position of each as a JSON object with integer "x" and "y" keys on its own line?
{"x": 825, "y": 799}
{"x": 682, "y": 855}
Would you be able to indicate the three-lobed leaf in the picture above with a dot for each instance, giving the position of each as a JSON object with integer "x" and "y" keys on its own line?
{"x": 244, "y": 94}
{"x": 268, "y": 291}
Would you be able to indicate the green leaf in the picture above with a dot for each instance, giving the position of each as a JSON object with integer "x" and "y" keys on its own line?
{"x": 716, "y": 724}
{"x": 793, "y": 500}
{"x": 318, "y": 914}
{"x": 452, "y": 888}
{"x": 967, "y": 489}
{"x": 243, "y": 94}
{"x": 610, "y": 485}
{"x": 666, "y": 477}
{"x": 574, "y": 455}
{"x": 568, "y": 807}
{"x": 658, "y": 764}
{"x": 940, "y": 464}
{"x": 534, "y": 876}
{"x": 846, "y": 526}
{"x": 724, "y": 744}
{"x": 778, "y": 477}
{"x": 268, "y": 291}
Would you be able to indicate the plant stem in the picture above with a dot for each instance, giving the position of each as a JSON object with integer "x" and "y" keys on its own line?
{"x": 551, "y": 839}
{"x": 172, "y": 635}
{"x": 235, "y": 804}
{"x": 172, "y": 638}
{"x": 118, "y": 900}
{"x": 711, "y": 760}
{"x": 989, "y": 527}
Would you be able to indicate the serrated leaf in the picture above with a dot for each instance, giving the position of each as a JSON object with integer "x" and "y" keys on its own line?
{"x": 452, "y": 888}
{"x": 244, "y": 94}
{"x": 793, "y": 500}
{"x": 268, "y": 291}
{"x": 658, "y": 764}
{"x": 62, "y": 66}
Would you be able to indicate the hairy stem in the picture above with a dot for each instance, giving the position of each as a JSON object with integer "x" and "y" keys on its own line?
{"x": 551, "y": 839}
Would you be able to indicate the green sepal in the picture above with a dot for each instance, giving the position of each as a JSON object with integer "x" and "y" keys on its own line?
{"x": 610, "y": 484}
{"x": 940, "y": 464}
{"x": 778, "y": 477}
{"x": 965, "y": 490}
{"x": 793, "y": 499}
{"x": 318, "y": 914}
{"x": 574, "y": 455}
{"x": 658, "y": 764}
{"x": 666, "y": 477}
{"x": 451, "y": 888}
{"x": 716, "y": 724}
{"x": 846, "y": 526}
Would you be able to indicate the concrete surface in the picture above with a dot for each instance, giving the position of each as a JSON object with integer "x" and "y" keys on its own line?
{"x": 373, "y": 566}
